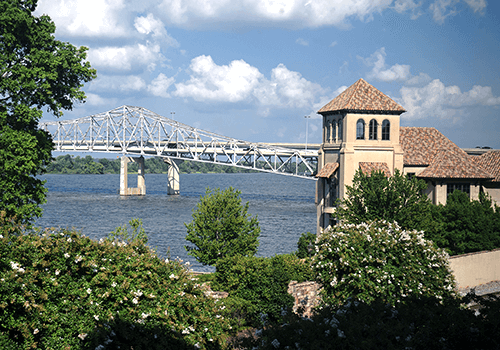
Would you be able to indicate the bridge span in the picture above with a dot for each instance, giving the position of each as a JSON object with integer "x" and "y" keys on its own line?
{"x": 137, "y": 131}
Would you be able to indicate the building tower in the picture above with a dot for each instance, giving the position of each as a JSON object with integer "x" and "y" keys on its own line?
{"x": 360, "y": 131}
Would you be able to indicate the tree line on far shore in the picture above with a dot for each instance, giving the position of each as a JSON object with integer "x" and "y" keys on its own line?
{"x": 69, "y": 164}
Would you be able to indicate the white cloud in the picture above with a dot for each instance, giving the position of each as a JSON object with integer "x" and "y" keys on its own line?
{"x": 126, "y": 58}
{"x": 107, "y": 83}
{"x": 302, "y": 42}
{"x": 160, "y": 85}
{"x": 96, "y": 100}
{"x": 89, "y": 18}
{"x": 240, "y": 82}
{"x": 439, "y": 101}
{"x": 477, "y": 5}
{"x": 380, "y": 70}
{"x": 231, "y": 83}
{"x": 151, "y": 25}
{"x": 443, "y": 8}
{"x": 419, "y": 79}
{"x": 401, "y": 6}
{"x": 292, "y": 13}
{"x": 290, "y": 89}
{"x": 333, "y": 44}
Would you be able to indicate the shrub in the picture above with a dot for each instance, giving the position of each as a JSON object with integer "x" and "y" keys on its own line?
{"x": 379, "y": 260}
{"x": 378, "y": 197}
{"x": 61, "y": 290}
{"x": 464, "y": 225}
{"x": 305, "y": 245}
{"x": 261, "y": 281}
{"x": 425, "y": 323}
{"x": 221, "y": 227}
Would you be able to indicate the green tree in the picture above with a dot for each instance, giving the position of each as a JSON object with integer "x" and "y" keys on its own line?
{"x": 464, "y": 225}
{"x": 36, "y": 71}
{"x": 377, "y": 197}
{"x": 380, "y": 260}
{"x": 222, "y": 227}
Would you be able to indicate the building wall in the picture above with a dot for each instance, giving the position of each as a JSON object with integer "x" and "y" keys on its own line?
{"x": 473, "y": 269}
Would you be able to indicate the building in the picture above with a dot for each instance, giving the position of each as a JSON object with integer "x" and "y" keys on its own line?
{"x": 361, "y": 130}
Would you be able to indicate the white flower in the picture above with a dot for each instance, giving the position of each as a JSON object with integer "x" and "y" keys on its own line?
{"x": 135, "y": 301}
{"x": 96, "y": 317}
{"x": 36, "y": 331}
{"x": 340, "y": 333}
{"x": 66, "y": 255}
{"x": 113, "y": 284}
{"x": 89, "y": 290}
{"x": 58, "y": 272}
{"x": 69, "y": 240}
{"x": 82, "y": 336}
{"x": 1, "y": 236}
{"x": 275, "y": 343}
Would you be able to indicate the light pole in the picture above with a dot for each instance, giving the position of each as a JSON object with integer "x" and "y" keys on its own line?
{"x": 307, "y": 127}
{"x": 172, "y": 115}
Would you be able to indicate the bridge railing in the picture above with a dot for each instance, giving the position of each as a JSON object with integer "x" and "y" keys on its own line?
{"x": 136, "y": 130}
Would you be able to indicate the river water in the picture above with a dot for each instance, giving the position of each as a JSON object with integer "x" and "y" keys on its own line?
{"x": 90, "y": 203}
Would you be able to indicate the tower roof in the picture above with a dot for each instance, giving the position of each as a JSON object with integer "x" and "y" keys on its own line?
{"x": 362, "y": 97}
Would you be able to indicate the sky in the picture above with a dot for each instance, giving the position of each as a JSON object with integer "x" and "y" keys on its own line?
{"x": 253, "y": 69}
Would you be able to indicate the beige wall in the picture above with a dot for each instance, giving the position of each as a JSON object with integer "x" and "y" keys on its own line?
{"x": 471, "y": 270}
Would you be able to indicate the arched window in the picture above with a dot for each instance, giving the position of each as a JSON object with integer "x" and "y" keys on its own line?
{"x": 340, "y": 130}
{"x": 360, "y": 129}
{"x": 372, "y": 132}
{"x": 386, "y": 130}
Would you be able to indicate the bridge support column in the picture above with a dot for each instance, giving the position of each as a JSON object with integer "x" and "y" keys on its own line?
{"x": 140, "y": 190}
{"x": 173, "y": 185}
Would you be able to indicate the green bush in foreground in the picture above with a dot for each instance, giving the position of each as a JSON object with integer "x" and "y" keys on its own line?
{"x": 222, "y": 227}
{"x": 424, "y": 323}
{"x": 262, "y": 283}
{"x": 60, "y": 290}
{"x": 379, "y": 260}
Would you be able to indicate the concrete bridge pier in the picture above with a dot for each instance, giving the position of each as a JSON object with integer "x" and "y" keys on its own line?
{"x": 173, "y": 185}
{"x": 140, "y": 190}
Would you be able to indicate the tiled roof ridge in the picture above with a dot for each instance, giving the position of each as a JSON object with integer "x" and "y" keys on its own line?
{"x": 362, "y": 97}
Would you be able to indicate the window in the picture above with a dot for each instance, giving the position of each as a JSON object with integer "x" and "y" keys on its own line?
{"x": 372, "y": 131}
{"x": 464, "y": 187}
{"x": 360, "y": 130}
{"x": 386, "y": 130}
{"x": 340, "y": 130}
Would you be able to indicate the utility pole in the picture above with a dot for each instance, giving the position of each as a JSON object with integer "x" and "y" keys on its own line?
{"x": 307, "y": 127}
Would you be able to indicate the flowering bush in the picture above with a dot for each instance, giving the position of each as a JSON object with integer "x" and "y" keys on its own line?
{"x": 60, "y": 290}
{"x": 379, "y": 260}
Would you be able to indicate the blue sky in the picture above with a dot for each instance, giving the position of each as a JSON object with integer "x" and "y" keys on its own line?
{"x": 252, "y": 69}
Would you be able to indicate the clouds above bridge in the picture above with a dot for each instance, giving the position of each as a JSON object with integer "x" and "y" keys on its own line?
{"x": 283, "y": 59}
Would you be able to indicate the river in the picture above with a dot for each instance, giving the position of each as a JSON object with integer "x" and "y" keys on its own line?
{"x": 90, "y": 203}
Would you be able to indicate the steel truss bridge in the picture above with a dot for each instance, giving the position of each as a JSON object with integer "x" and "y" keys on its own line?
{"x": 131, "y": 130}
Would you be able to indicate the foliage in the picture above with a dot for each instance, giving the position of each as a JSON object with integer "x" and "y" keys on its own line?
{"x": 138, "y": 233}
{"x": 379, "y": 260}
{"x": 418, "y": 324}
{"x": 263, "y": 282}
{"x": 464, "y": 225}
{"x": 36, "y": 71}
{"x": 305, "y": 245}
{"x": 222, "y": 227}
{"x": 377, "y": 197}
{"x": 69, "y": 164}
{"x": 60, "y": 290}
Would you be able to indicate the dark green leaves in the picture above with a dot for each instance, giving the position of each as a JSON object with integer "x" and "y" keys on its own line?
{"x": 222, "y": 227}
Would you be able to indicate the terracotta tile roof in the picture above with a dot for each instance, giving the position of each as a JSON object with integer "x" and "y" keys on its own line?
{"x": 368, "y": 167}
{"x": 328, "y": 170}
{"x": 362, "y": 96}
{"x": 491, "y": 161}
{"x": 428, "y": 147}
{"x": 421, "y": 145}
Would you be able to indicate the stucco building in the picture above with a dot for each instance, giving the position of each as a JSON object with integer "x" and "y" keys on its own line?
{"x": 361, "y": 130}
